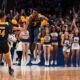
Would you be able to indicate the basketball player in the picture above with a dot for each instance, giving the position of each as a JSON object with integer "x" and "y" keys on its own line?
{"x": 37, "y": 50}
{"x": 38, "y": 47}
{"x": 4, "y": 45}
{"x": 34, "y": 23}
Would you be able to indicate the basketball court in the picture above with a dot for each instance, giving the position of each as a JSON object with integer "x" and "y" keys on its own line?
{"x": 40, "y": 73}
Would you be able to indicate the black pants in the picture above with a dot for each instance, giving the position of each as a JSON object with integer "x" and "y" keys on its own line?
{"x": 12, "y": 52}
{"x": 19, "y": 53}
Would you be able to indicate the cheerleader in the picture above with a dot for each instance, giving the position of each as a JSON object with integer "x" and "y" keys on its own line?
{"x": 75, "y": 46}
{"x": 47, "y": 46}
{"x": 65, "y": 42}
{"x": 24, "y": 38}
{"x": 54, "y": 41}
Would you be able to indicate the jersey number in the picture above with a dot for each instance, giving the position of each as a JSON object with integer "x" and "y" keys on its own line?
{"x": 2, "y": 33}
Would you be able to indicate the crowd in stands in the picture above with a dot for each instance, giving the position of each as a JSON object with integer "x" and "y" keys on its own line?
{"x": 44, "y": 35}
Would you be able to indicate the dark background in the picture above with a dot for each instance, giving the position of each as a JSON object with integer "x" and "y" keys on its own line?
{"x": 49, "y": 6}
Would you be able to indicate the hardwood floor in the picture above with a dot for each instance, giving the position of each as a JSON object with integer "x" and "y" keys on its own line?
{"x": 40, "y": 73}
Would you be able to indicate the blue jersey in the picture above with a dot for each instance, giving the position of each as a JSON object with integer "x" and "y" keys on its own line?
{"x": 35, "y": 23}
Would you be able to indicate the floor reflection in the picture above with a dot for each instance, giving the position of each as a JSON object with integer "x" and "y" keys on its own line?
{"x": 40, "y": 73}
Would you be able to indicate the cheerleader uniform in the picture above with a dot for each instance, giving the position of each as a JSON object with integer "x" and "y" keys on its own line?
{"x": 76, "y": 40}
{"x": 24, "y": 37}
{"x": 54, "y": 38}
{"x": 47, "y": 40}
{"x": 66, "y": 47}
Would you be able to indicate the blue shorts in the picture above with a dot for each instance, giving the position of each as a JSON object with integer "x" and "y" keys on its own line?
{"x": 36, "y": 30}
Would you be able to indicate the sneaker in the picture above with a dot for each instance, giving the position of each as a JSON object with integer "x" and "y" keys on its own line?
{"x": 33, "y": 62}
{"x": 71, "y": 65}
{"x": 11, "y": 72}
{"x": 77, "y": 65}
{"x": 65, "y": 65}
{"x": 47, "y": 63}
{"x": 37, "y": 60}
{"x": 19, "y": 64}
{"x": 52, "y": 62}
{"x": 55, "y": 62}
{"x": 1, "y": 63}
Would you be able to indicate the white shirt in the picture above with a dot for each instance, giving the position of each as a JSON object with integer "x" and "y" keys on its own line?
{"x": 12, "y": 39}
